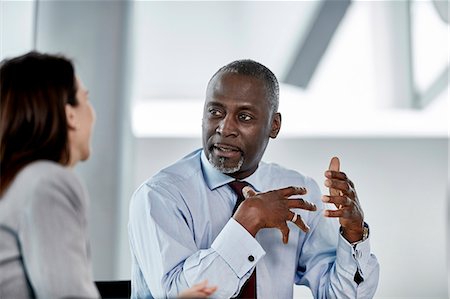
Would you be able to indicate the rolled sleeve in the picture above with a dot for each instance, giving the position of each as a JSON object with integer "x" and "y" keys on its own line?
{"x": 238, "y": 248}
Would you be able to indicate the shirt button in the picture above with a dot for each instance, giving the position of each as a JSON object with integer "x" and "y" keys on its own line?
{"x": 251, "y": 258}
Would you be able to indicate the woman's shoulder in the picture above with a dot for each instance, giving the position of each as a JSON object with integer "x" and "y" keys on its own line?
{"x": 44, "y": 172}
{"x": 43, "y": 178}
{"x": 45, "y": 165}
{"x": 42, "y": 188}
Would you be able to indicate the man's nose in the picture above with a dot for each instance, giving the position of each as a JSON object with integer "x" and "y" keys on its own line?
{"x": 227, "y": 126}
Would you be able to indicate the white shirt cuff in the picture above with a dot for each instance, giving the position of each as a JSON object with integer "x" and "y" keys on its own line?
{"x": 351, "y": 257}
{"x": 238, "y": 248}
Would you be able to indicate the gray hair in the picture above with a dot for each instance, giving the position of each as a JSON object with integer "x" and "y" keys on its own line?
{"x": 256, "y": 70}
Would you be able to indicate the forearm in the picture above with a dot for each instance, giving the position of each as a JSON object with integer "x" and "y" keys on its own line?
{"x": 228, "y": 263}
{"x": 331, "y": 262}
{"x": 357, "y": 267}
{"x": 170, "y": 267}
{"x": 354, "y": 274}
{"x": 207, "y": 265}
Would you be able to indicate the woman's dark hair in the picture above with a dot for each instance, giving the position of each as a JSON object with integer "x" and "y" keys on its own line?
{"x": 34, "y": 89}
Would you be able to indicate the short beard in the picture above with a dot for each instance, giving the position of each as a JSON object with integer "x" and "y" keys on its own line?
{"x": 220, "y": 165}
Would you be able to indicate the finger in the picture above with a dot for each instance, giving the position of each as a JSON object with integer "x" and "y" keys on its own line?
{"x": 292, "y": 190}
{"x": 301, "y": 204}
{"x": 337, "y": 185}
{"x": 331, "y": 174}
{"x": 196, "y": 291}
{"x": 248, "y": 191}
{"x": 200, "y": 285}
{"x": 210, "y": 290}
{"x": 285, "y": 232}
{"x": 351, "y": 183}
{"x": 350, "y": 193}
{"x": 336, "y": 213}
{"x": 299, "y": 222}
{"x": 337, "y": 200}
{"x": 335, "y": 165}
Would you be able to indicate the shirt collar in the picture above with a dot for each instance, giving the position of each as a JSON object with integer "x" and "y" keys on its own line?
{"x": 214, "y": 178}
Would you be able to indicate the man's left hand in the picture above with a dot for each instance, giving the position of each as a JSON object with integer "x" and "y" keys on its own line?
{"x": 343, "y": 196}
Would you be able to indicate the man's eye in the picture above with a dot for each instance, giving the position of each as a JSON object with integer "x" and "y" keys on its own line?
{"x": 214, "y": 112}
{"x": 245, "y": 117}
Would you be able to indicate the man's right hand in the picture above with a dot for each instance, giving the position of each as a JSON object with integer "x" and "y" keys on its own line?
{"x": 272, "y": 209}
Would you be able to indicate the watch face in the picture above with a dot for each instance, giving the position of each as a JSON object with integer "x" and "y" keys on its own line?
{"x": 365, "y": 232}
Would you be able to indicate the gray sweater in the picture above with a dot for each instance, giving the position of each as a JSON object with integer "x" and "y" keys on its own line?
{"x": 44, "y": 246}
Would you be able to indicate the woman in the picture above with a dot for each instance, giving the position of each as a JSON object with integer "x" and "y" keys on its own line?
{"x": 45, "y": 130}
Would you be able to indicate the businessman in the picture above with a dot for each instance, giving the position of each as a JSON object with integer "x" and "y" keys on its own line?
{"x": 251, "y": 228}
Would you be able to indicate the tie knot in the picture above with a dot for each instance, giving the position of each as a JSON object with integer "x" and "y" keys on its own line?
{"x": 237, "y": 187}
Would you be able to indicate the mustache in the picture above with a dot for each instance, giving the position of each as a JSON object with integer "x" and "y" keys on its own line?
{"x": 226, "y": 146}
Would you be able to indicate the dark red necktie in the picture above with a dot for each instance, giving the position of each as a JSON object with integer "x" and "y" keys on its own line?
{"x": 248, "y": 290}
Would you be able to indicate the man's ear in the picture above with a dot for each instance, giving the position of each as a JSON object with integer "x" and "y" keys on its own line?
{"x": 276, "y": 125}
{"x": 71, "y": 117}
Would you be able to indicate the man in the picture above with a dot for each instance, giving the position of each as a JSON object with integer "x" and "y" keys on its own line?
{"x": 183, "y": 227}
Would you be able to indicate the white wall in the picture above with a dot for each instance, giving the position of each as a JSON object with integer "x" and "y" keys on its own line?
{"x": 401, "y": 183}
{"x": 16, "y": 37}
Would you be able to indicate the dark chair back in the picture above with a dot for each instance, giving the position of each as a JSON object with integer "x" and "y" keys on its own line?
{"x": 118, "y": 289}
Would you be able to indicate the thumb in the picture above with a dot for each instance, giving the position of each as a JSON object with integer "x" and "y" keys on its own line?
{"x": 248, "y": 191}
{"x": 335, "y": 165}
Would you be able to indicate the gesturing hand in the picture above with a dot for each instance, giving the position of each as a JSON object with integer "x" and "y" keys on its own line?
{"x": 200, "y": 290}
{"x": 343, "y": 196}
{"x": 272, "y": 210}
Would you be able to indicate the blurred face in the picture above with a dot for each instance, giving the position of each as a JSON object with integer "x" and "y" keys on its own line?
{"x": 81, "y": 120}
{"x": 237, "y": 124}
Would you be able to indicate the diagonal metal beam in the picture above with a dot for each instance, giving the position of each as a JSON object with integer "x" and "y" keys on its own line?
{"x": 434, "y": 90}
{"x": 316, "y": 41}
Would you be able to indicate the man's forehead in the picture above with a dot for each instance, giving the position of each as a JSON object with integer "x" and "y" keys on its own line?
{"x": 230, "y": 74}
{"x": 234, "y": 82}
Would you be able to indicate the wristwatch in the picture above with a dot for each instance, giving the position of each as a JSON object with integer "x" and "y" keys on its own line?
{"x": 365, "y": 235}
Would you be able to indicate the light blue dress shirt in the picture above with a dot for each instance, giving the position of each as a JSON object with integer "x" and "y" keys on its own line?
{"x": 181, "y": 233}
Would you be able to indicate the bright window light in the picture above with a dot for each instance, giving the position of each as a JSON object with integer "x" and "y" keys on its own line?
{"x": 178, "y": 118}
{"x": 430, "y": 36}
{"x": 343, "y": 99}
